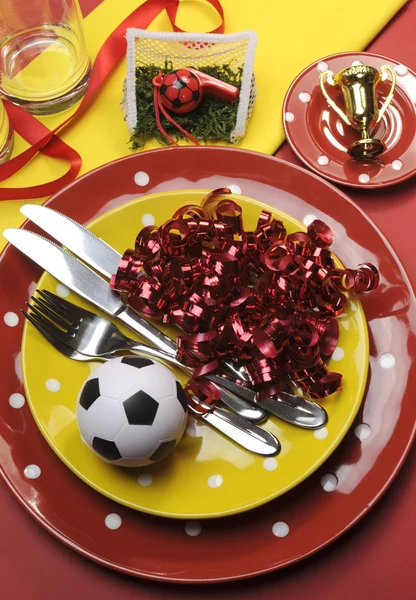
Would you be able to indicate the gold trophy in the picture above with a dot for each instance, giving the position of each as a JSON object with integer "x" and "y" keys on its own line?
{"x": 358, "y": 85}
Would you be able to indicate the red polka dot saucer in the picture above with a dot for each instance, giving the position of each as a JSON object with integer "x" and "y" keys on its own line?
{"x": 321, "y": 139}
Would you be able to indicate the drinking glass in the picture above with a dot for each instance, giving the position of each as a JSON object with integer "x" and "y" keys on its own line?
{"x": 44, "y": 62}
{"x": 6, "y": 135}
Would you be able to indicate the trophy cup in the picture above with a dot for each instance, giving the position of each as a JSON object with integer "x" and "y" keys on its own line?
{"x": 358, "y": 85}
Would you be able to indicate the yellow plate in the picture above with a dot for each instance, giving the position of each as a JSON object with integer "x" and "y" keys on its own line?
{"x": 206, "y": 475}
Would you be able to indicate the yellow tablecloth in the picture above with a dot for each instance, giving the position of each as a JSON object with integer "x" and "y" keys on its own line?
{"x": 292, "y": 34}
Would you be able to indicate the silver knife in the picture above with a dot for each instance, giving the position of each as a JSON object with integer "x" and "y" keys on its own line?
{"x": 99, "y": 255}
{"x": 85, "y": 282}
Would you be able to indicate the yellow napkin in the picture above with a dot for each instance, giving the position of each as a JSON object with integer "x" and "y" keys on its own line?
{"x": 291, "y": 35}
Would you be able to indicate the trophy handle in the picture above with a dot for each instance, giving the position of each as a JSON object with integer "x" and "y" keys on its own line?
{"x": 385, "y": 70}
{"x": 329, "y": 76}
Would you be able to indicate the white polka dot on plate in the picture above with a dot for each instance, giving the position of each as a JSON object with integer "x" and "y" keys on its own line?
{"x": 309, "y": 219}
{"x": 338, "y": 354}
{"x": 11, "y": 319}
{"x": 356, "y": 63}
{"x": 401, "y": 70}
{"x": 322, "y": 66}
{"x": 397, "y": 165}
{"x": 62, "y": 290}
{"x": 32, "y": 472}
{"x": 323, "y": 160}
{"x": 52, "y": 385}
{"x": 270, "y": 463}
{"x": 193, "y": 528}
{"x": 215, "y": 481}
{"x": 113, "y": 521}
{"x": 148, "y": 220}
{"x": 329, "y": 482}
{"x": 321, "y": 433}
{"x": 362, "y": 431}
{"x": 364, "y": 178}
{"x": 145, "y": 479}
{"x": 141, "y": 178}
{"x": 304, "y": 97}
{"x": 387, "y": 360}
{"x": 289, "y": 117}
{"x": 235, "y": 189}
{"x": 280, "y": 529}
{"x": 17, "y": 400}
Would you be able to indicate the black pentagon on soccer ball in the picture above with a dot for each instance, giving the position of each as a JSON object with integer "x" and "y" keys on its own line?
{"x": 163, "y": 89}
{"x": 137, "y": 361}
{"x": 195, "y": 95}
{"x": 164, "y": 449}
{"x": 140, "y": 409}
{"x": 180, "y": 394}
{"x": 106, "y": 449}
{"x": 176, "y": 103}
{"x": 90, "y": 393}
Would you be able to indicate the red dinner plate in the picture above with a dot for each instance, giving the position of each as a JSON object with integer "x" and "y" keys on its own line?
{"x": 321, "y": 139}
{"x": 296, "y": 524}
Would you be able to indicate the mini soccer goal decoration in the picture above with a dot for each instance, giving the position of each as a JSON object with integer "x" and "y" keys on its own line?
{"x": 188, "y": 85}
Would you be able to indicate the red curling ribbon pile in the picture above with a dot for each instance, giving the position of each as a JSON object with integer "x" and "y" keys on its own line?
{"x": 264, "y": 298}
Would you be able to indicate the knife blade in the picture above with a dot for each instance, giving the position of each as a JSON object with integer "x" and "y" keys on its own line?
{"x": 82, "y": 242}
{"x": 85, "y": 282}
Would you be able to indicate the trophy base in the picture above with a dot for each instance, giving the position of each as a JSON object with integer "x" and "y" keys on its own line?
{"x": 366, "y": 149}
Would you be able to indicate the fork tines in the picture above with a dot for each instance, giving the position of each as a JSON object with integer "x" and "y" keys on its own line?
{"x": 47, "y": 313}
{"x": 57, "y": 304}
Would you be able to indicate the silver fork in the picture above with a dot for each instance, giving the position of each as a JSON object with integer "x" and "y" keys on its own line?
{"x": 92, "y": 335}
{"x": 247, "y": 435}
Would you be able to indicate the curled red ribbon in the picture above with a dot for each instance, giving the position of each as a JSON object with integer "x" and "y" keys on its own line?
{"x": 262, "y": 298}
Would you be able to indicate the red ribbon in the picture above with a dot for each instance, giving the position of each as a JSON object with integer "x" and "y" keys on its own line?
{"x": 46, "y": 141}
{"x": 262, "y": 298}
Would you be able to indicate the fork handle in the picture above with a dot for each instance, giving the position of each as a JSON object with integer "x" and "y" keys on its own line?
{"x": 230, "y": 397}
{"x": 147, "y": 331}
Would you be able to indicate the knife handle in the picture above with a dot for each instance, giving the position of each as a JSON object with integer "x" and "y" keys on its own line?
{"x": 247, "y": 435}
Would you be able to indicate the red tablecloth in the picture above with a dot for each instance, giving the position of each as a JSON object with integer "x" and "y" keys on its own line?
{"x": 375, "y": 560}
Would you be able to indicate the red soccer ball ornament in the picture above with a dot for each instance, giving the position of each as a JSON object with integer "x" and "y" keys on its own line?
{"x": 181, "y": 91}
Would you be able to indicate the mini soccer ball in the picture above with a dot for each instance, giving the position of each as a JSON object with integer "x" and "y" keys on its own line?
{"x": 132, "y": 411}
{"x": 180, "y": 91}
